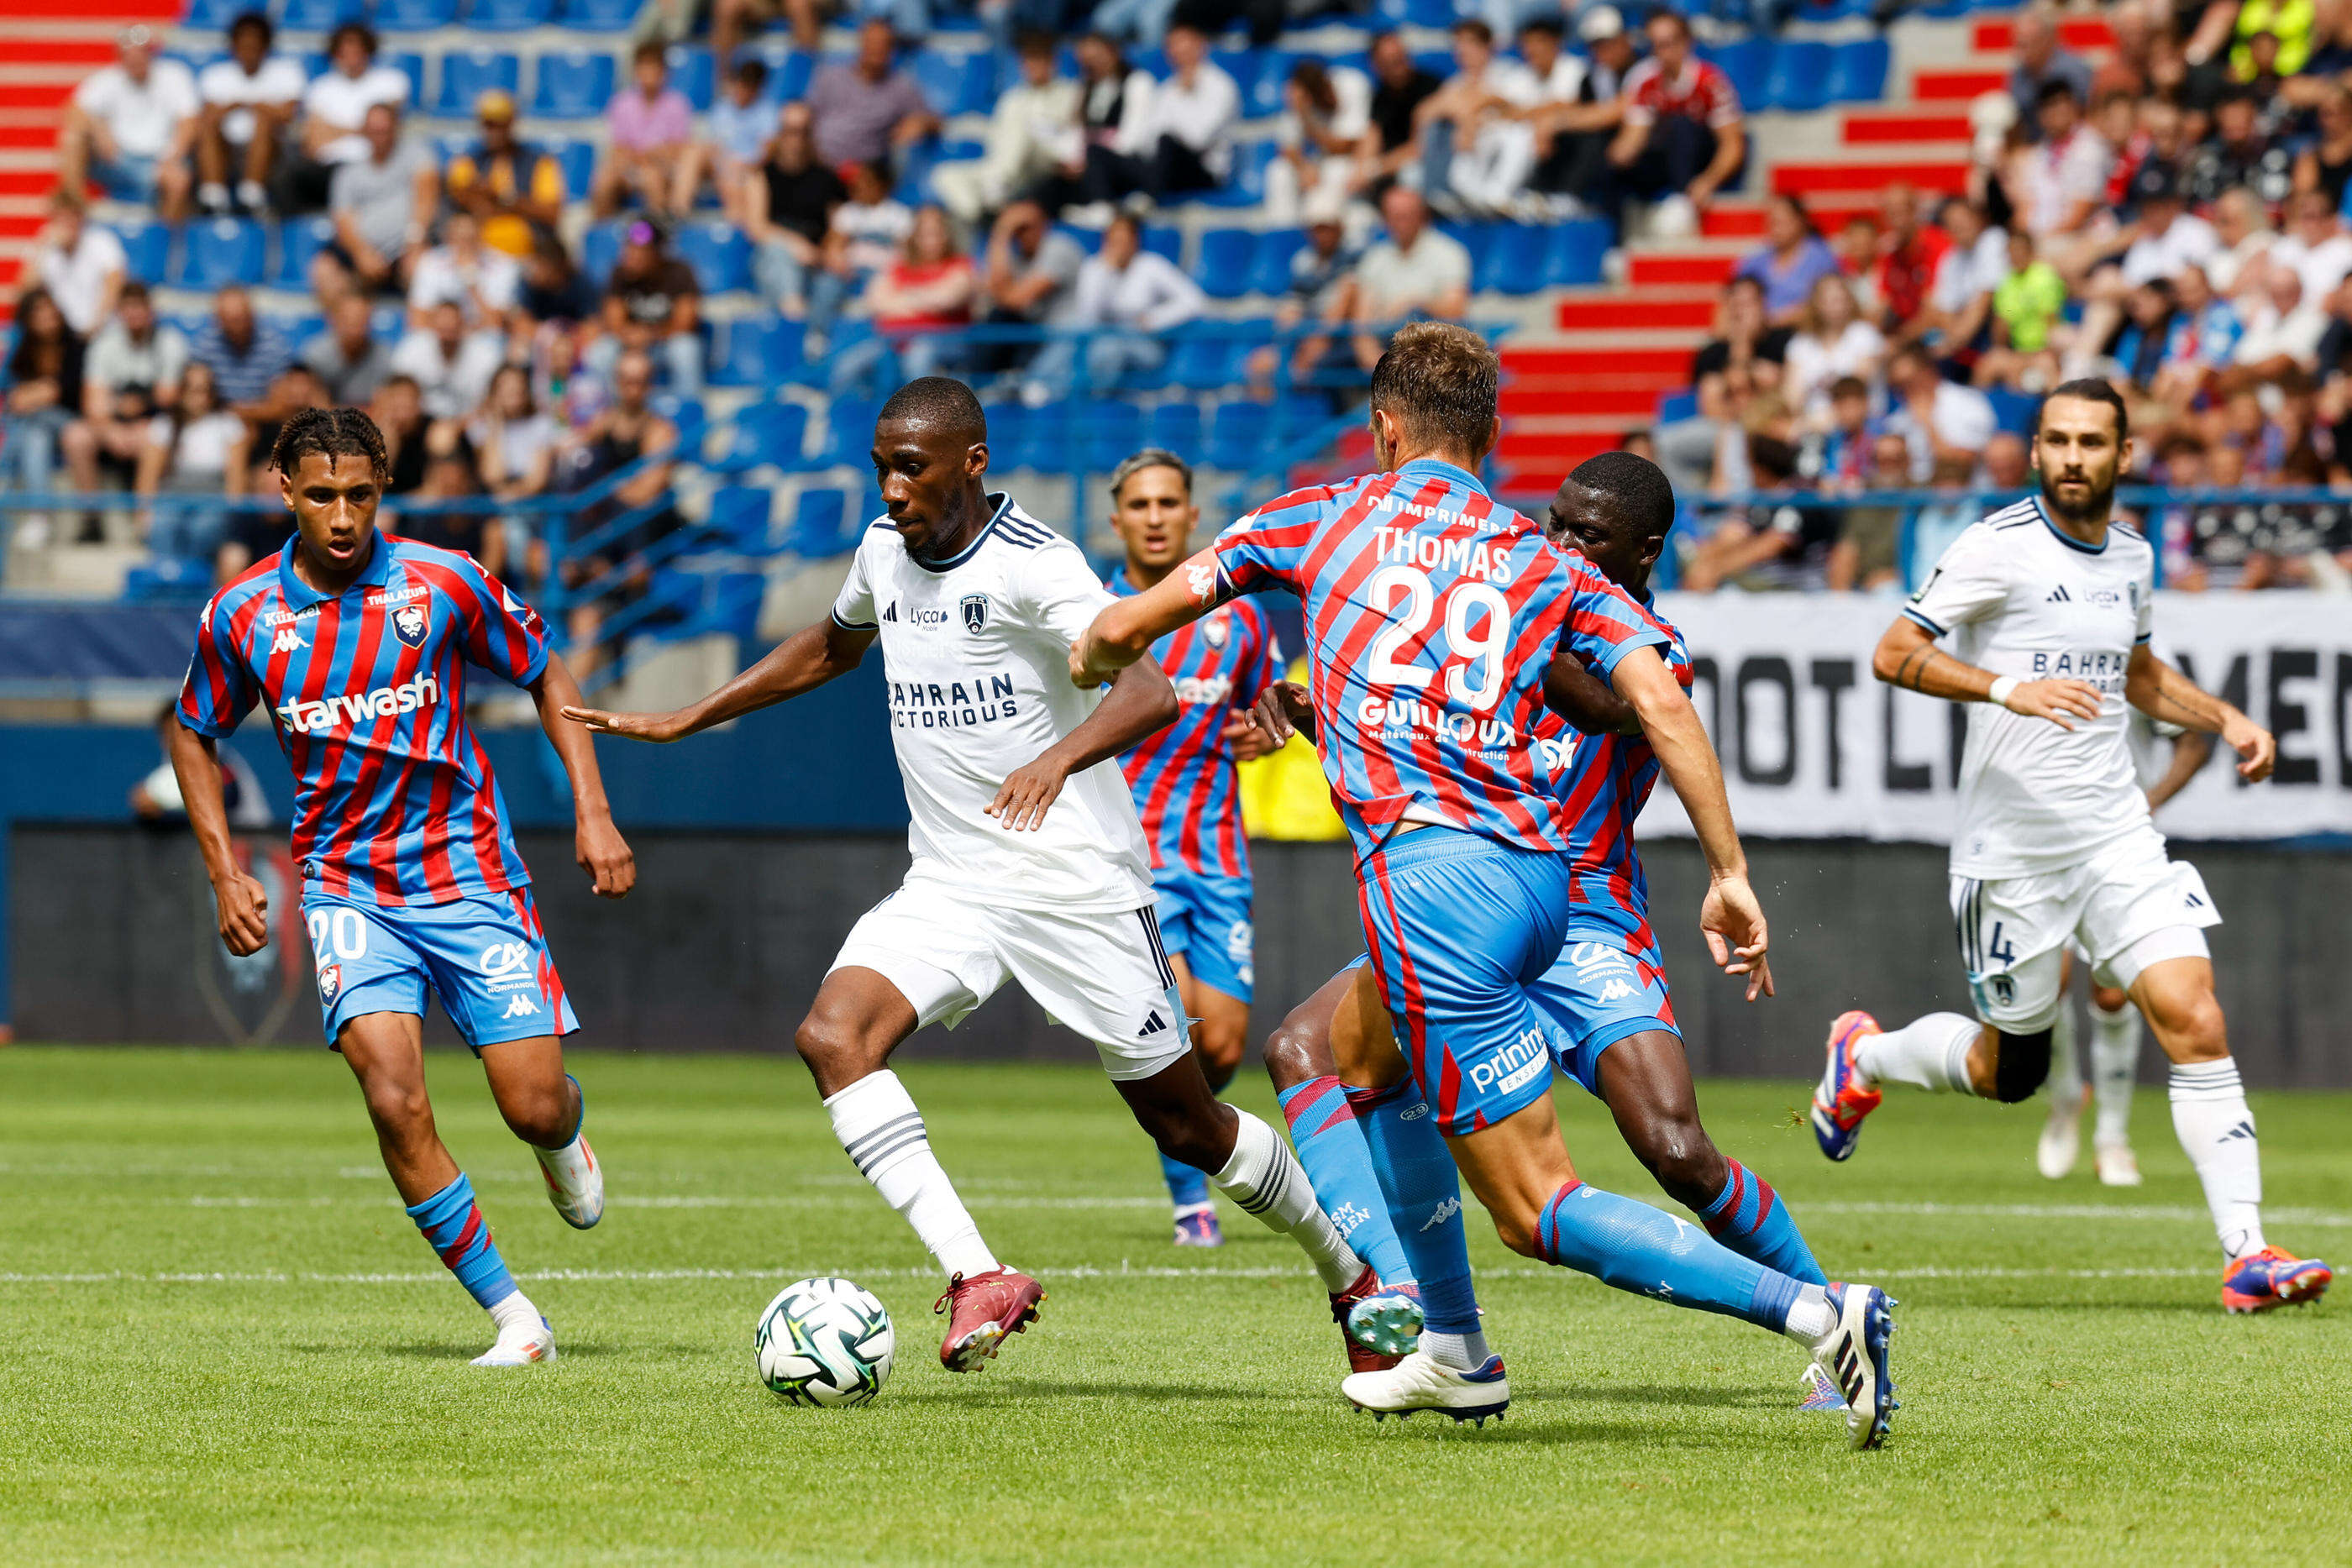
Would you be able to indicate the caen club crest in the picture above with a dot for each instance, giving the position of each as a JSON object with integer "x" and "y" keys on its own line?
{"x": 975, "y": 612}
{"x": 408, "y": 624}
{"x": 1215, "y": 630}
{"x": 331, "y": 981}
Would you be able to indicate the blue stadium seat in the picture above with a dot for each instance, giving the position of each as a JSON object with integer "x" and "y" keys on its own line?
{"x": 321, "y": 16}
{"x": 1573, "y": 259}
{"x": 572, "y": 84}
{"x": 1857, "y": 72}
{"x": 1798, "y": 81}
{"x": 410, "y": 64}
{"x": 1263, "y": 99}
{"x": 168, "y": 579}
{"x": 1110, "y": 430}
{"x": 218, "y": 252}
{"x": 578, "y": 161}
{"x": 147, "y": 246}
{"x": 600, "y": 16}
{"x": 849, "y": 431}
{"x": 1087, "y": 240}
{"x": 693, "y": 74}
{"x": 1438, "y": 63}
{"x": 1228, "y": 256}
{"x": 789, "y": 71}
{"x": 2014, "y": 410}
{"x": 1237, "y": 434}
{"x": 1204, "y": 357}
{"x": 1245, "y": 185}
{"x": 1176, "y": 427}
{"x": 821, "y": 524}
{"x": 300, "y": 240}
{"x": 509, "y": 15}
{"x": 1008, "y": 435}
{"x": 956, "y": 84}
{"x": 1517, "y": 262}
{"x": 600, "y": 247}
{"x": 758, "y": 352}
{"x": 1152, "y": 62}
{"x": 773, "y": 434}
{"x": 1478, "y": 238}
{"x": 1165, "y": 239}
{"x": 214, "y": 15}
{"x": 719, "y": 255}
{"x": 1748, "y": 62}
{"x": 1676, "y": 405}
{"x": 1244, "y": 66}
{"x": 414, "y": 16}
{"x": 686, "y": 412}
{"x": 1270, "y": 268}
{"x": 466, "y": 74}
{"x": 739, "y": 515}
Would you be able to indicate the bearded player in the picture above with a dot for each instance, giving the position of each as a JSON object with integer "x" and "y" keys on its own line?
{"x": 359, "y": 644}
{"x": 2049, "y": 605}
{"x": 1029, "y": 864}
{"x": 1439, "y": 625}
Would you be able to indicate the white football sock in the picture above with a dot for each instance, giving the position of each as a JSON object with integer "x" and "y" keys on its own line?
{"x": 1930, "y": 1052}
{"x": 1456, "y": 1352}
{"x": 2217, "y": 1134}
{"x": 1265, "y": 1178}
{"x": 2066, "y": 1067}
{"x": 877, "y": 1124}
{"x": 514, "y": 1314}
{"x": 2114, "y": 1066}
{"x": 1812, "y": 1316}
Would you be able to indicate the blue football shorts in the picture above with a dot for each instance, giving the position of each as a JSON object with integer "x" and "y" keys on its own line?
{"x": 1607, "y": 982}
{"x": 1206, "y": 919}
{"x": 486, "y": 959}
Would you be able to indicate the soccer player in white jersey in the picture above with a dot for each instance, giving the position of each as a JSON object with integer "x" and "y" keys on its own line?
{"x": 1029, "y": 863}
{"x": 2049, "y": 605}
{"x": 2164, "y": 758}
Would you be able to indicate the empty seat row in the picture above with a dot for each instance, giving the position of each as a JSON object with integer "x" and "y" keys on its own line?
{"x": 423, "y": 16}
{"x": 1505, "y": 258}
{"x": 1799, "y": 75}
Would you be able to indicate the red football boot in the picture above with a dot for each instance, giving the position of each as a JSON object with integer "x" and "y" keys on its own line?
{"x": 981, "y": 1312}
{"x": 1378, "y": 1324}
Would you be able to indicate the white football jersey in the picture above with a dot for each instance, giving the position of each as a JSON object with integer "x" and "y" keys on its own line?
{"x": 2018, "y": 598}
{"x": 976, "y": 653}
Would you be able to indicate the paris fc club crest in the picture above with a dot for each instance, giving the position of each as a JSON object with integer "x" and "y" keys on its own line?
{"x": 1215, "y": 630}
{"x": 975, "y": 612}
{"x": 408, "y": 624}
{"x": 331, "y": 981}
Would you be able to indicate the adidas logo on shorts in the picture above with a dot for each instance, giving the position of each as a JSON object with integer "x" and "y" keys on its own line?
{"x": 1155, "y": 1024}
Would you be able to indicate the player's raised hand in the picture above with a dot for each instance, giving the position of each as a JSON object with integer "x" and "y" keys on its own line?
{"x": 2060, "y": 702}
{"x": 244, "y": 909}
{"x": 598, "y": 849}
{"x": 1245, "y": 739}
{"x": 1027, "y": 793}
{"x": 658, "y": 727}
{"x": 2256, "y": 748}
{"x": 1733, "y": 922}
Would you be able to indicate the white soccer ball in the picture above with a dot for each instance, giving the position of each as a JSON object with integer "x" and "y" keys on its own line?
{"x": 824, "y": 1342}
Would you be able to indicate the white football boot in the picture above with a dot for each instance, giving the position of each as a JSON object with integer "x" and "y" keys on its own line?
{"x": 2119, "y": 1166}
{"x": 575, "y": 1182}
{"x": 1853, "y": 1353}
{"x": 1417, "y": 1382}
{"x": 524, "y": 1342}
{"x": 2062, "y": 1139}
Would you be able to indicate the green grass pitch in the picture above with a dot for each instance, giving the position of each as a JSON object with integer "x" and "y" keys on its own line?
{"x": 223, "y": 1341}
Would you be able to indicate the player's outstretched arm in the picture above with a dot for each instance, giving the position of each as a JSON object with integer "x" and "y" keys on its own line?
{"x": 1140, "y": 702}
{"x": 597, "y": 846}
{"x": 801, "y": 663}
{"x": 240, "y": 904}
{"x": 1125, "y": 629}
{"x": 1731, "y": 918}
{"x": 2159, "y": 691}
{"x": 1907, "y": 657}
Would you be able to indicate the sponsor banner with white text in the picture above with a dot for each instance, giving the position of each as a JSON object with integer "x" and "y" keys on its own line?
{"x": 1812, "y": 745}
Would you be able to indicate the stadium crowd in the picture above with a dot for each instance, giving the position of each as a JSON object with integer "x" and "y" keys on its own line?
{"x": 2173, "y": 218}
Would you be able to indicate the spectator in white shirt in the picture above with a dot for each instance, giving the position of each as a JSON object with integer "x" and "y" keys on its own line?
{"x": 1032, "y": 130}
{"x": 2163, "y": 240}
{"x": 1414, "y": 272}
{"x": 81, "y": 265}
{"x": 249, "y": 101}
{"x": 130, "y": 128}
{"x": 1478, "y": 145}
{"x": 2316, "y": 246}
{"x": 1326, "y": 111}
{"x": 1959, "y": 298}
{"x": 199, "y": 448}
{"x": 1127, "y": 296}
{"x": 452, "y": 366}
{"x": 131, "y": 371}
{"x": 335, "y": 109}
{"x": 2281, "y": 336}
{"x": 462, "y": 271}
{"x": 2058, "y": 182}
{"x": 2243, "y": 226}
{"x": 1939, "y": 420}
{"x": 1831, "y": 340}
{"x": 1182, "y": 139}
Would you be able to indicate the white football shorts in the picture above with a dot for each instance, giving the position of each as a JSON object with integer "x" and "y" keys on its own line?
{"x": 2126, "y": 907}
{"x": 1103, "y": 975}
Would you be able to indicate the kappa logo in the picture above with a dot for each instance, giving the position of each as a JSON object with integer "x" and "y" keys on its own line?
{"x": 1155, "y": 1024}
{"x": 1443, "y": 1212}
{"x": 1237, "y": 940}
{"x": 975, "y": 612}
{"x": 1616, "y": 992}
{"x": 288, "y": 641}
{"x": 520, "y": 1006}
{"x": 331, "y": 981}
{"x": 409, "y": 623}
{"x": 1200, "y": 580}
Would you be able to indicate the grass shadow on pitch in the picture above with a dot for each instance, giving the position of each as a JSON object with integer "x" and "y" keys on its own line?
{"x": 1025, "y": 1392}
{"x": 466, "y": 1349}
{"x": 1776, "y": 1396}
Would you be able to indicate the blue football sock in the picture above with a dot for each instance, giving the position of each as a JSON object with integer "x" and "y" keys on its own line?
{"x": 1649, "y": 1252}
{"x": 1748, "y": 1218}
{"x": 1424, "y": 1200}
{"x": 454, "y": 1228}
{"x": 1331, "y": 1148}
{"x": 1187, "y": 1187}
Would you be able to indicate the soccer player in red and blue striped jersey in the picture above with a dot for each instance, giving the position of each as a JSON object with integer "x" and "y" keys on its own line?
{"x": 1187, "y": 794}
{"x": 1439, "y": 626}
{"x": 358, "y": 644}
